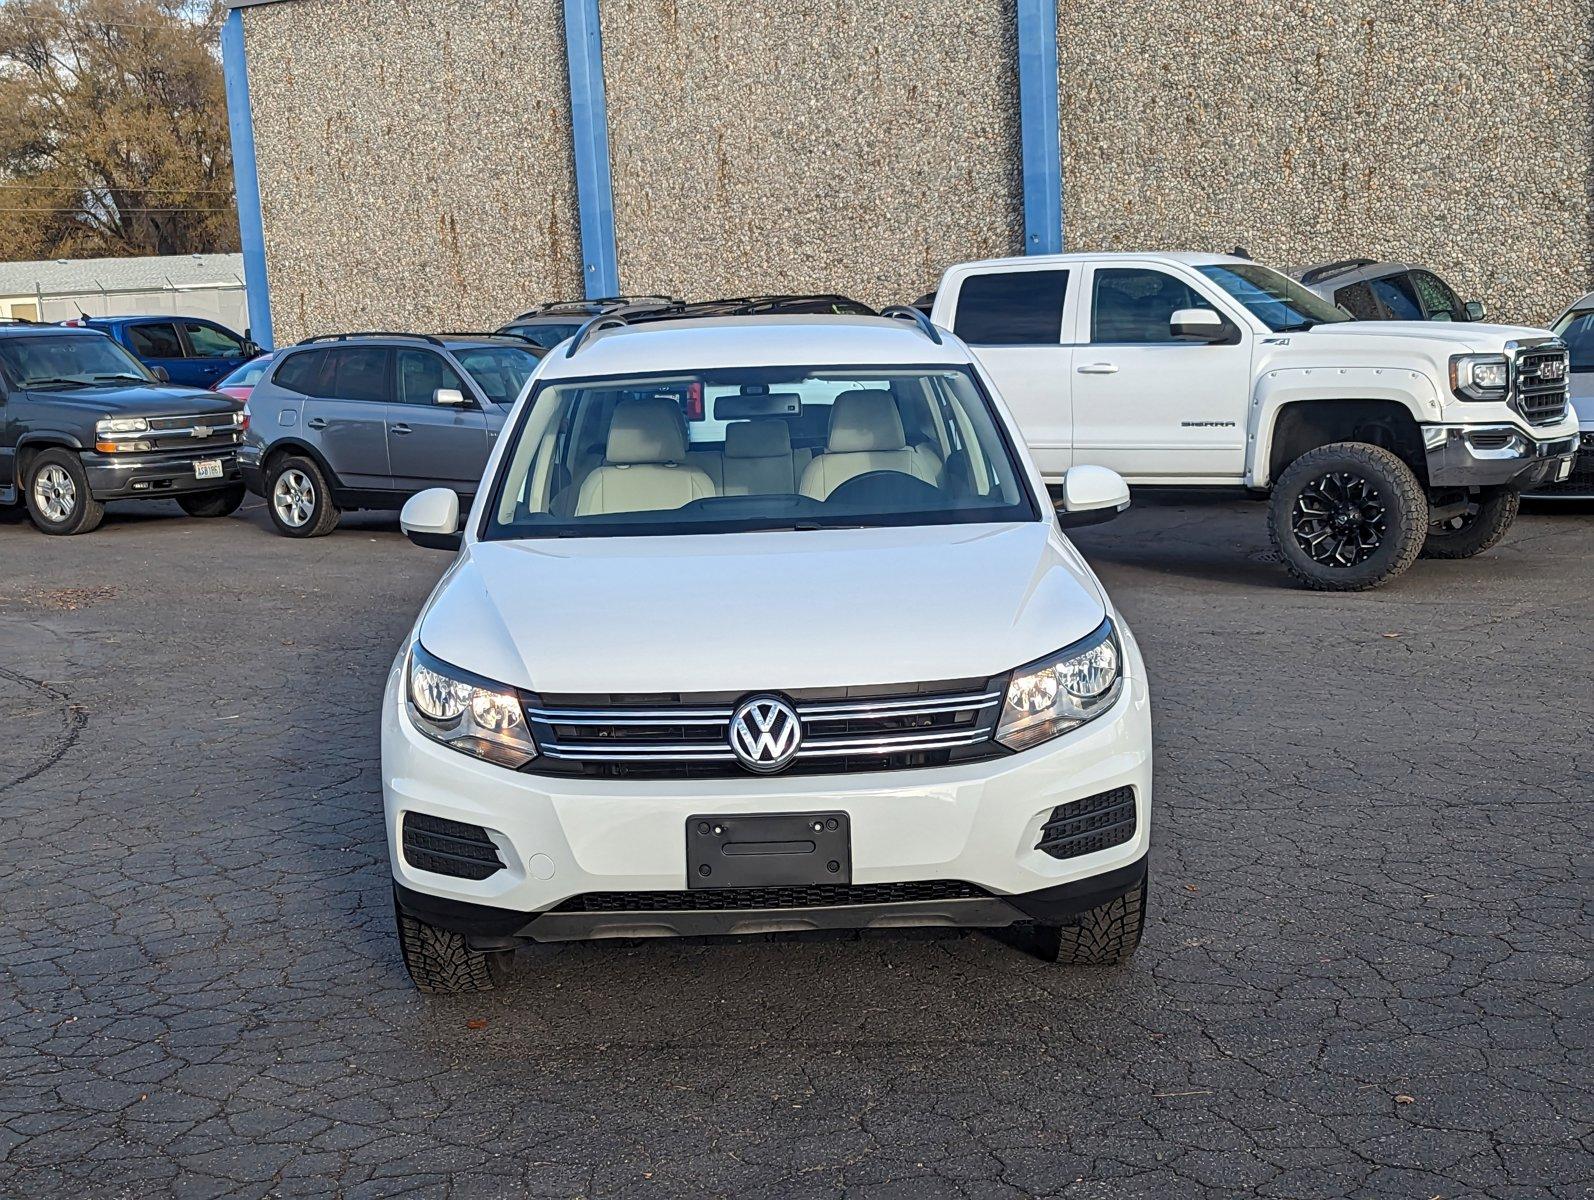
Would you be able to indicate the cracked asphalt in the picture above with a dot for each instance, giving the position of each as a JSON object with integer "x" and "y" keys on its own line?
{"x": 1365, "y": 973}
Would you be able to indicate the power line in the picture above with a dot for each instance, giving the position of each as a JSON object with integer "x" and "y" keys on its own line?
{"x": 87, "y": 187}
{"x": 118, "y": 210}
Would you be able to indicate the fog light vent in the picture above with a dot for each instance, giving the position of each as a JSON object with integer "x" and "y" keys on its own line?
{"x": 1085, "y": 826}
{"x": 449, "y": 847}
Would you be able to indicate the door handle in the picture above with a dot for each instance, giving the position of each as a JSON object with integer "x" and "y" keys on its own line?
{"x": 401, "y": 428}
{"x": 317, "y": 422}
{"x": 1098, "y": 369}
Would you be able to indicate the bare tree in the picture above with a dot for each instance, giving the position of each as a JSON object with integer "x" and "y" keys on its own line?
{"x": 113, "y": 139}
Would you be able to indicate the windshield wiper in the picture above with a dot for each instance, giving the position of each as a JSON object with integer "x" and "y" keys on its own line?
{"x": 122, "y": 375}
{"x": 46, "y": 382}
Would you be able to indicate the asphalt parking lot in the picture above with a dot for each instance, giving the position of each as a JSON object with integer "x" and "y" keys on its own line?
{"x": 1366, "y": 969}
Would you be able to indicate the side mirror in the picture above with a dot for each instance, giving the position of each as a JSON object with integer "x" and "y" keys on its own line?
{"x": 162, "y": 374}
{"x": 449, "y": 397}
{"x": 431, "y": 519}
{"x": 250, "y": 349}
{"x": 1198, "y": 325}
{"x": 1475, "y": 310}
{"x": 1090, "y": 496}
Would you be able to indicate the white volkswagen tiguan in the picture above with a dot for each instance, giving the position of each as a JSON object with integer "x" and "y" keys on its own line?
{"x": 763, "y": 624}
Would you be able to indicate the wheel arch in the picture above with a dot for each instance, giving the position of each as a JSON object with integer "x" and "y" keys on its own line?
{"x": 1294, "y": 416}
{"x": 30, "y": 445}
{"x": 285, "y": 447}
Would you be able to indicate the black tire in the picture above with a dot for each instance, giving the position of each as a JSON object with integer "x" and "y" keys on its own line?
{"x": 58, "y": 495}
{"x": 1489, "y": 514}
{"x": 212, "y": 504}
{"x": 294, "y": 476}
{"x": 1104, "y": 936}
{"x": 441, "y": 964}
{"x": 1347, "y": 517}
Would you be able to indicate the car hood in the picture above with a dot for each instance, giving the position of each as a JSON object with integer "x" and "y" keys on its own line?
{"x": 137, "y": 400}
{"x": 1465, "y": 335}
{"x": 775, "y": 610}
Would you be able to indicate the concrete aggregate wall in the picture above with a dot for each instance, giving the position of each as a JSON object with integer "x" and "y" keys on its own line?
{"x": 1456, "y": 133}
{"x": 810, "y": 145}
{"x": 416, "y": 169}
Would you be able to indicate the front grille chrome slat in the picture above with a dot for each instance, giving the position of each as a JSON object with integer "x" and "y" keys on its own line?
{"x": 1542, "y": 401}
{"x": 846, "y": 731}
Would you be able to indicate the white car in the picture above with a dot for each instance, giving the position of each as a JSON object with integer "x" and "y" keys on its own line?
{"x": 1575, "y": 327}
{"x": 1376, "y": 441}
{"x": 763, "y": 624}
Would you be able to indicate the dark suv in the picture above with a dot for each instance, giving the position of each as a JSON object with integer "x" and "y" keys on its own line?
{"x": 1389, "y": 291}
{"x": 365, "y": 420}
{"x": 82, "y": 422}
{"x": 549, "y": 324}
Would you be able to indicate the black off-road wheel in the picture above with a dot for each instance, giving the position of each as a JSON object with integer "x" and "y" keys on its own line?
{"x": 299, "y": 499}
{"x": 441, "y": 963}
{"x": 212, "y": 504}
{"x": 58, "y": 495}
{"x": 1489, "y": 514}
{"x": 1104, "y": 936}
{"x": 1347, "y": 517}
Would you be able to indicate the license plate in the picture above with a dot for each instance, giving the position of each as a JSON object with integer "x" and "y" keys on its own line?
{"x": 207, "y": 468}
{"x": 768, "y": 850}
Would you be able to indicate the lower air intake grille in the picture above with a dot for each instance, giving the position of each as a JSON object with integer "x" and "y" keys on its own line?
{"x": 1085, "y": 826}
{"x": 1581, "y": 481}
{"x": 449, "y": 847}
{"x": 824, "y": 895}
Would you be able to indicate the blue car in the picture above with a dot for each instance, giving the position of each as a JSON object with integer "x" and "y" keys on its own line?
{"x": 189, "y": 350}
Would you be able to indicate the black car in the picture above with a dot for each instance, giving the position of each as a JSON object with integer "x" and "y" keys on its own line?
{"x": 83, "y": 422}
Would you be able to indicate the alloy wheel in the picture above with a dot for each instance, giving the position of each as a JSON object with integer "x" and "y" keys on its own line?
{"x": 55, "y": 493}
{"x": 293, "y": 498}
{"x": 1339, "y": 519}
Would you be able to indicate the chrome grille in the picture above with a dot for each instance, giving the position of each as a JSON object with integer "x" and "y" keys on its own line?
{"x": 1541, "y": 385}
{"x": 214, "y": 431}
{"x": 904, "y": 727}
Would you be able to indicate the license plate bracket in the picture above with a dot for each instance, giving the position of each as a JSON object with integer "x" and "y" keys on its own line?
{"x": 768, "y": 850}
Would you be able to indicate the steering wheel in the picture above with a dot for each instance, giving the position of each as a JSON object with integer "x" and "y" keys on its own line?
{"x": 885, "y": 490}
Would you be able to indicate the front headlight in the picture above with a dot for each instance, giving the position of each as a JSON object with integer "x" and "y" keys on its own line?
{"x": 1480, "y": 376}
{"x": 466, "y": 712}
{"x": 122, "y": 425}
{"x": 1062, "y": 691}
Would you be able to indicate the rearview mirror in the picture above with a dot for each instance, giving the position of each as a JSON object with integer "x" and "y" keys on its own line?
{"x": 451, "y": 397}
{"x": 431, "y": 519}
{"x": 1198, "y": 325}
{"x": 1475, "y": 310}
{"x": 1090, "y": 496}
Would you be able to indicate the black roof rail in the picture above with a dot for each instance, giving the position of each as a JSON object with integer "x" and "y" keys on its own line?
{"x": 1327, "y": 270}
{"x": 500, "y": 335}
{"x": 600, "y": 322}
{"x": 594, "y": 306}
{"x": 17, "y": 321}
{"x": 906, "y": 312}
{"x": 367, "y": 333}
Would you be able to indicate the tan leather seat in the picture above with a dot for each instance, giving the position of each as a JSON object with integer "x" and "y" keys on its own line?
{"x": 865, "y": 435}
{"x": 759, "y": 459}
{"x": 644, "y": 465}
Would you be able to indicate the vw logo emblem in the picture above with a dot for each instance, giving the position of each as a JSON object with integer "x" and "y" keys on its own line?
{"x": 765, "y": 733}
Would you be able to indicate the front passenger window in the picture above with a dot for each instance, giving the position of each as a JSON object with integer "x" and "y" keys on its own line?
{"x": 1136, "y": 305}
{"x": 421, "y": 373}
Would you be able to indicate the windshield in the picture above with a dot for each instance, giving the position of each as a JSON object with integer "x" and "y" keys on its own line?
{"x": 757, "y": 448}
{"x": 1278, "y": 302}
{"x": 65, "y": 360}
{"x": 500, "y": 371}
{"x": 1576, "y": 329}
{"x": 247, "y": 375}
{"x": 545, "y": 335}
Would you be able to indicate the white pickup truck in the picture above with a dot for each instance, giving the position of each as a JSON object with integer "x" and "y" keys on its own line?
{"x": 1378, "y": 440}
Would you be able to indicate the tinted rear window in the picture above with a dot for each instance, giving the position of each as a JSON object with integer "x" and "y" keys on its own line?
{"x": 299, "y": 372}
{"x": 1013, "y": 308}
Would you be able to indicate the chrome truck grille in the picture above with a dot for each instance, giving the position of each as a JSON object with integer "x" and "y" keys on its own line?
{"x": 1540, "y": 378}
{"x": 841, "y": 731}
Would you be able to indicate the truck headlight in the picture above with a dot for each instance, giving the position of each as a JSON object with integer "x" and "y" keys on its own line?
{"x": 1063, "y": 691}
{"x": 466, "y": 712}
{"x": 1480, "y": 376}
{"x": 122, "y": 425}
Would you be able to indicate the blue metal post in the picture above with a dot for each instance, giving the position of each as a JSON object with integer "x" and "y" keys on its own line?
{"x": 245, "y": 178}
{"x": 1039, "y": 128}
{"x": 589, "y": 118}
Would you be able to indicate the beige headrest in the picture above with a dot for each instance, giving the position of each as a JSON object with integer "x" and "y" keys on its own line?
{"x": 767, "y": 438}
{"x": 865, "y": 419}
{"x": 646, "y": 431}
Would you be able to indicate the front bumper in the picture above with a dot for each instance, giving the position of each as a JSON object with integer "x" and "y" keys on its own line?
{"x": 1495, "y": 456}
{"x": 251, "y": 462}
{"x": 1579, "y": 484}
{"x": 564, "y": 837}
{"x": 151, "y": 475}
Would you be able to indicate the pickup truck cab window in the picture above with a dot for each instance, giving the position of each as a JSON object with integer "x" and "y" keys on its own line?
{"x": 1276, "y": 300}
{"x": 1014, "y": 308}
{"x": 155, "y": 341}
{"x": 206, "y": 341}
{"x": 651, "y": 477}
{"x": 1135, "y": 305}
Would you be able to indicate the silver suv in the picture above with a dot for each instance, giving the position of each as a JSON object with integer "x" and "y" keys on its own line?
{"x": 366, "y": 420}
{"x": 1388, "y": 291}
